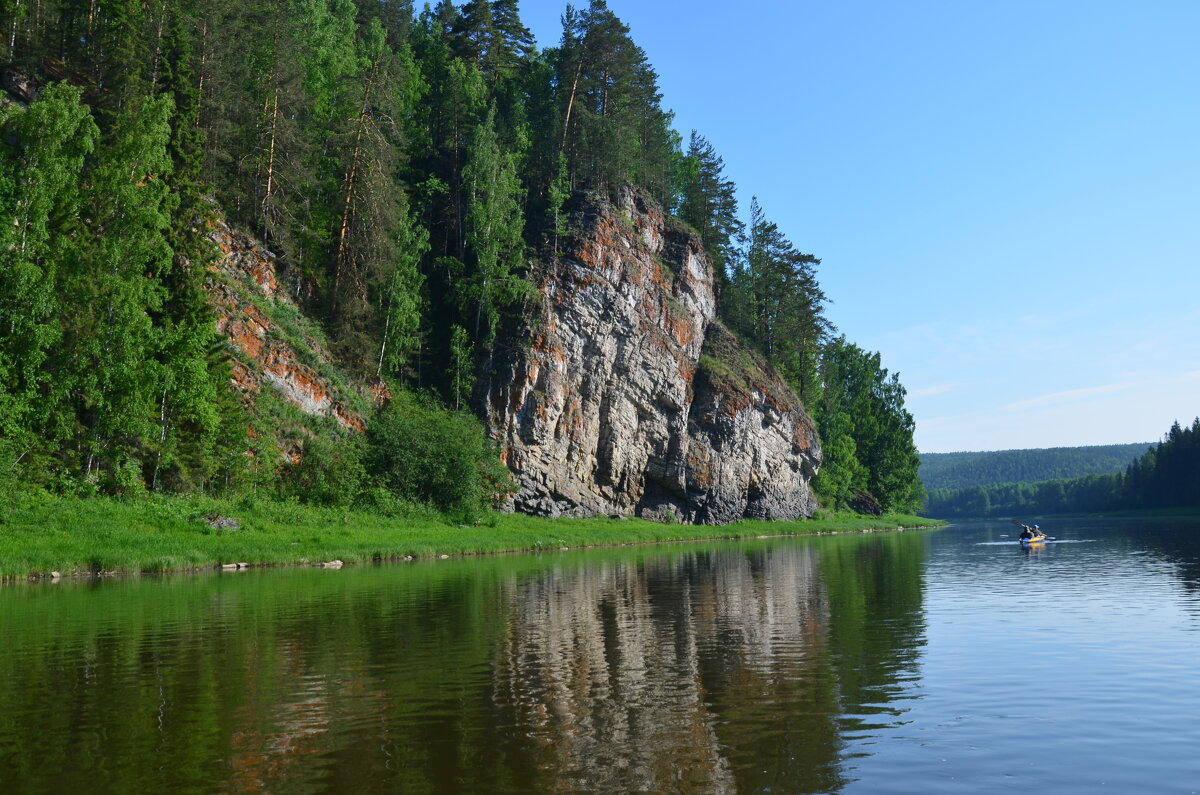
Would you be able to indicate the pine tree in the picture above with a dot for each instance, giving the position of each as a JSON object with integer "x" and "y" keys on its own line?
{"x": 614, "y": 130}
{"x": 514, "y": 43}
{"x": 394, "y": 15}
{"x": 474, "y": 34}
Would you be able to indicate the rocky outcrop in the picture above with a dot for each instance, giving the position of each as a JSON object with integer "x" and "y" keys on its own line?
{"x": 271, "y": 343}
{"x": 631, "y": 400}
{"x": 752, "y": 449}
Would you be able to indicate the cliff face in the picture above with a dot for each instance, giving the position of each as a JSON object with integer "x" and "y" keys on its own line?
{"x": 631, "y": 400}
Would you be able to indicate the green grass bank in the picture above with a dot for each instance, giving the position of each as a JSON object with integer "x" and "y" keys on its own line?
{"x": 80, "y": 537}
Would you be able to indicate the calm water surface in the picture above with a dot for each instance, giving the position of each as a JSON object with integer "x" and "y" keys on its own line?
{"x": 948, "y": 661}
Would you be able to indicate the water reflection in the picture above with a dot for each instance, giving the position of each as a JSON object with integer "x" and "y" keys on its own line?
{"x": 722, "y": 668}
{"x": 658, "y": 675}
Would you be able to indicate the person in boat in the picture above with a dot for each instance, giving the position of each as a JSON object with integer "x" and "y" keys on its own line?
{"x": 1028, "y": 532}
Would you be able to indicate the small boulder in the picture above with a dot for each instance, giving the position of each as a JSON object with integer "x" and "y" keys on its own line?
{"x": 218, "y": 522}
{"x": 865, "y": 503}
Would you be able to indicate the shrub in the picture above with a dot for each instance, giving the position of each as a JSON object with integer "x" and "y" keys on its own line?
{"x": 329, "y": 472}
{"x": 423, "y": 452}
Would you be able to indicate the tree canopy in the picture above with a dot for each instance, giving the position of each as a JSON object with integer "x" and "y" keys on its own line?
{"x": 410, "y": 168}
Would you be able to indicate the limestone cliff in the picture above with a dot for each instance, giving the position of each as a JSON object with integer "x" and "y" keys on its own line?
{"x": 631, "y": 399}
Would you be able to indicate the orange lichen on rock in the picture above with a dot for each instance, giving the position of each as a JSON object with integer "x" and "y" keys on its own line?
{"x": 380, "y": 393}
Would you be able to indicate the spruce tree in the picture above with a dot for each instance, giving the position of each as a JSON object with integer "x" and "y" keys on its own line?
{"x": 371, "y": 200}
{"x": 708, "y": 202}
{"x": 864, "y": 403}
{"x": 402, "y": 303}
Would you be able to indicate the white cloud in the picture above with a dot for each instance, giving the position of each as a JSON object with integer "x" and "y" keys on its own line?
{"x": 1067, "y": 396}
{"x": 930, "y": 391}
{"x": 1139, "y": 408}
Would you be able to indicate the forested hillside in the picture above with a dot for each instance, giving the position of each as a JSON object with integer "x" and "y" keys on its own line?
{"x": 962, "y": 470}
{"x": 1166, "y": 475}
{"x": 414, "y": 173}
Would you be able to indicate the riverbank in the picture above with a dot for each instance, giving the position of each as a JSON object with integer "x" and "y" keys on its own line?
{"x": 44, "y": 537}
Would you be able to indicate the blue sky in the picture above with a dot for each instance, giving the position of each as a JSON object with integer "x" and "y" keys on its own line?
{"x": 1005, "y": 195}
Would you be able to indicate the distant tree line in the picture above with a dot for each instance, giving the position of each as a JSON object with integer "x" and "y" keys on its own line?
{"x": 413, "y": 169}
{"x": 962, "y": 470}
{"x": 1166, "y": 476}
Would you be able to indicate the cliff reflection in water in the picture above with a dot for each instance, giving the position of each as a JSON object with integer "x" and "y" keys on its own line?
{"x": 713, "y": 670}
{"x": 645, "y": 677}
{"x": 693, "y": 668}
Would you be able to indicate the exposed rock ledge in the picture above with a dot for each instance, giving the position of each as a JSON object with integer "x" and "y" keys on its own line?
{"x": 245, "y": 291}
{"x": 610, "y": 411}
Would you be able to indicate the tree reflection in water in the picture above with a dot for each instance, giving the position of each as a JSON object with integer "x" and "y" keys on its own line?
{"x": 714, "y": 668}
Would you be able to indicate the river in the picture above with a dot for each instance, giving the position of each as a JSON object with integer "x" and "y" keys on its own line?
{"x": 929, "y": 661}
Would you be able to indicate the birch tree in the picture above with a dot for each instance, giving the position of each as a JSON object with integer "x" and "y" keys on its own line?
{"x": 494, "y": 232}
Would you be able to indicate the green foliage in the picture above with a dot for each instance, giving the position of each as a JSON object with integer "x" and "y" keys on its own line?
{"x": 773, "y": 299}
{"x": 493, "y": 232}
{"x": 708, "y": 202}
{"x": 863, "y": 405}
{"x": 614, "y": 129}
{"x": 1006, "y": 500}
{"x": 42, "y": 156}
{"x": 330, "y": 471}
{"x": 402, "y": 169}
{"x": 461, "y": 370}
{"x": 426, "y": 454}
{"x": 842, "y": 474}
{"x": 557, "y": 195}
{"x": 401, "y": 338}
{"x": 375, "y": 294}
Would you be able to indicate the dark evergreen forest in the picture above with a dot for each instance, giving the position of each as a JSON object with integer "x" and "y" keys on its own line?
{"x": 413, "y": 170}
{"x": 1165, "y": 476}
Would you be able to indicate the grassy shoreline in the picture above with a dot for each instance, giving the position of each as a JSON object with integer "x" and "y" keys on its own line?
{"x": 44, "y": 536}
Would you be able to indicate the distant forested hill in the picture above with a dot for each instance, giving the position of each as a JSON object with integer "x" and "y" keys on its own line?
{"x": 1159, "y": 476}
{"x": 962, "y": 470}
